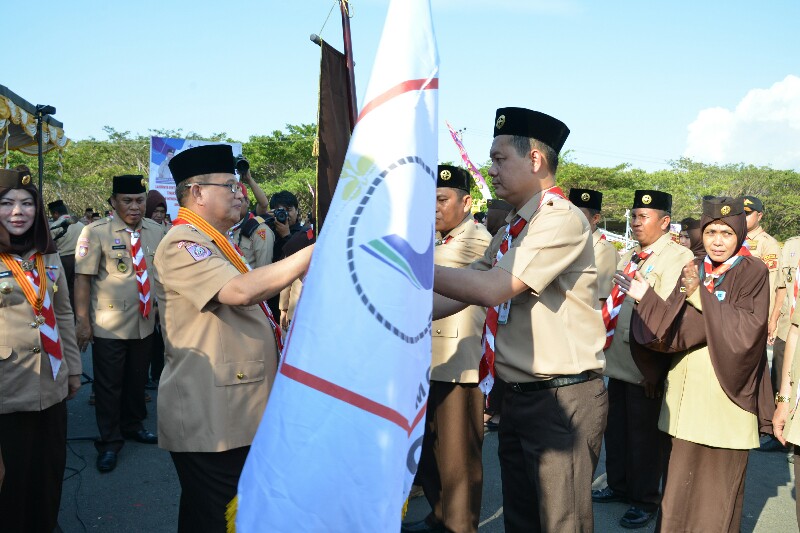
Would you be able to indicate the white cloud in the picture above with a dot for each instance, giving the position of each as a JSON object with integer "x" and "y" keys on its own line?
{"x": 763, "y": 129}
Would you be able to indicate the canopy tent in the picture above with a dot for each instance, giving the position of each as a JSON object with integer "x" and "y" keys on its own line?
{"x": 18, "y": 127}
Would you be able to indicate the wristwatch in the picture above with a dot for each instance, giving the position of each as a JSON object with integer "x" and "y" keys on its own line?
{"x": 781, "y": 399}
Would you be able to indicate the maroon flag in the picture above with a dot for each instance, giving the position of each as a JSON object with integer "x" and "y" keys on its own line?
{"x": 333, "y": 130}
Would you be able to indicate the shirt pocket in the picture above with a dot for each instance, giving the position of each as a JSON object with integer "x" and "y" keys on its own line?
{"x": 238, "y": 373}
{"x": 115, "y": 259}
{"x": 449, "y": 331}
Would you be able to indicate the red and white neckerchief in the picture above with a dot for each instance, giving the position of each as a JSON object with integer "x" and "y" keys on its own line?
{"x": 614, "y": 302}
{"x": 142, "y": 280}
{"x": 602, "y": 237}
{"x": 232, "y": 253}
{"x": 795, "y": 290}
{"x": 513, "y": 229}
{"x": 34, "y": 285}
{"x": 712, "y": 277}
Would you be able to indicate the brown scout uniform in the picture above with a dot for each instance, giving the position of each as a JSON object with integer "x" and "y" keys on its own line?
{"x": 102, "y": 247}
{"x": 221, "y": 360}
{"x": 26, "y": 378}
{"x": 633, "y": 448}
{"x": 450, "y": 468}
{"x": 257, "y": 247}
{"x": 606, "y": 259}
{"x": 553, "y": 330}
{"x": 764, "y": 245}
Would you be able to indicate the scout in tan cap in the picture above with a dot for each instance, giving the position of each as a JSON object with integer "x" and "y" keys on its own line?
{"x": 543, "y": 332}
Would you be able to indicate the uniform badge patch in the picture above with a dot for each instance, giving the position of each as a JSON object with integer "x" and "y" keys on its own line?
{"x": 771, "y": 260}
{"x": 82, "y": 250}
{"x": 262, "y": 233}
{"x": 197, "y": 252}
{"x": 720, "y": 295}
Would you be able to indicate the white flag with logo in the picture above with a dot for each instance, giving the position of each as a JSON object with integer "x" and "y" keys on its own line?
{"x": 339, "y": 443}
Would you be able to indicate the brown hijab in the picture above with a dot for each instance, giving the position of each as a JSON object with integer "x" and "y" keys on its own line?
{"x": 154, "y": 199}
{"x": 692, "y": 227}
{"x": 38, "y": 236}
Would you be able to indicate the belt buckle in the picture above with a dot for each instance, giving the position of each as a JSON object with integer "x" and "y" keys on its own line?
{"x": 515, "y": 387}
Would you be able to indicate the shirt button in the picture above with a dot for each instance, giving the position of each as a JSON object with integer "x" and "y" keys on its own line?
{"x": 111, "y": 306}
{"x": 36, "y": 350}
{"x": 438, "y": 332}
{"x": 240, "y": 375}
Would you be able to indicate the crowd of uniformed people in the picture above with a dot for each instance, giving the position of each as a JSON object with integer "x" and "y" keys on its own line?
{"x": 543, "y": 330}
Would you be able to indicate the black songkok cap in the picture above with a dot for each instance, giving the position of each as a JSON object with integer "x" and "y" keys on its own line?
{"x": 14, "y": 179}
{"x": 586, "y": 198}
{"x": 526, "y": 123}
{"x": 644, "y": 198}
{"x": 751, "y": 203}
{"x": 207, "y": 159}
{"x": 453, "y": 177}
{"x": 52, "y": 206}
{"x": 129, "y": 184}
{"x": 717, "y": 207}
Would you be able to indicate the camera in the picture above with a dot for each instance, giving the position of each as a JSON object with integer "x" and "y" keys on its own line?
{"x": 281, "y": 215}
{"x": 242, "y": 165}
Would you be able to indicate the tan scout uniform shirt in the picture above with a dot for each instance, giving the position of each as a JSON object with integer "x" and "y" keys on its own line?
{"x": 220, "y": 359}
{"x": 661, "y": 270}
{"x": 553, "y": 327}
{"x": 790, "y": 256}
{"x": 792, "y": 430}
{"x": 26, "y": 377}
{"x": 763, "y": 245}
{"x": 256, "y": 249}
{"x": 456, "y": 343}
{"x": 66, "y": 244}
{"x": 692, "y": 381}
{"x": 606, "y": 259}
{"x": 102, "y": 246}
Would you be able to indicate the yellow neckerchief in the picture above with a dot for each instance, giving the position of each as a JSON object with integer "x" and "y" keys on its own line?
{"x": 36, "y": 300}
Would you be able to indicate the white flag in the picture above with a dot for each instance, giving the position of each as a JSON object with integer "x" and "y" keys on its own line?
{"x": 339, "y": 443}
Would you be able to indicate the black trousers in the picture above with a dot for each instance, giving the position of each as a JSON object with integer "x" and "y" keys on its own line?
{"x": 120, "y": 373}
{"x": 549, "y": 445}
{"x": 634, "y": 444}
{"x": 209, "y": 481}
{"x": 778, "y": 350}
{"x": 157, "y": 359}
{"x": 34, "y": 448}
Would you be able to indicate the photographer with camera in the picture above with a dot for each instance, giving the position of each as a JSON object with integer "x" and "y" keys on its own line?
{"x": 243, "y": 169}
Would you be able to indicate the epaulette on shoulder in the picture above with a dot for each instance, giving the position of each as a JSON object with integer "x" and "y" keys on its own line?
{"x": 249, "y": 227}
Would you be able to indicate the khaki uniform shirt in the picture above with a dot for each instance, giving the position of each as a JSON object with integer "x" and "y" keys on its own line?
{"x": 67, "y": 243}
{"x": 102, "y": 247}
{"x": 692, "y": 382}
{"x": 606, "y": 259}
{"x": 220, "y": 360}
{"x": 792, "y": 430}
{"x": 256, "y": 249}
{"x": 661, "y": 270}
{"x": 790, "y": 256}
{"x": 26, "y": 377}
{"x": 290, "y": 296}
{"x": 456, "y": 340}
{"x": 763, "y": 245}
{"x": 553, "y": 328}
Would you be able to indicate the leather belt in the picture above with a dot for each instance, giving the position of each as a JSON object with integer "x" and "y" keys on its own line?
{"x": 560, "y": 381}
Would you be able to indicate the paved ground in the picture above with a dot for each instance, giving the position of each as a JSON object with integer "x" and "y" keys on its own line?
{"x": 141, "y": 495}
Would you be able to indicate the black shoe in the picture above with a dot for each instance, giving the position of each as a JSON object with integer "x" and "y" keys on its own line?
{"x": 772, "y": 445}
{"x": 634, "y": 518}
{"x": 107, "y": 461}
{"x": 143, "y": 436}
{"x": 607, "y": 495}
{"x": 421, "y": 527}
{"x": 151, "y": 385}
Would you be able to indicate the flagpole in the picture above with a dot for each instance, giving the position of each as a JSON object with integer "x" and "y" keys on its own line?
{"x": 348, "y": 53}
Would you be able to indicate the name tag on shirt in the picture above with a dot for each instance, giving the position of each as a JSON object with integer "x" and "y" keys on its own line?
{"x": 505, "y": 309}
{"x": 119, "y": 247}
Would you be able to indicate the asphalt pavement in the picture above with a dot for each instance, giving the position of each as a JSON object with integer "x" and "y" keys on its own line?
{"x": 142, "y": 494}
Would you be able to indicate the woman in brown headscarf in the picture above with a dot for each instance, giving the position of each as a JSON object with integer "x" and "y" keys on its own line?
{"x": 40, "y": 365}
{"x": 155, "y": 207}
{"x": 718, "y": 395}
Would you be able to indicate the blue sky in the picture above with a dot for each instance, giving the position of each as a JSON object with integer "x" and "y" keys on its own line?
{"x": 637, "y": 82}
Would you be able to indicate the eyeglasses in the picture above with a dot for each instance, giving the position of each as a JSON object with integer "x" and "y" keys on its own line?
{"x": 232, "y": 186}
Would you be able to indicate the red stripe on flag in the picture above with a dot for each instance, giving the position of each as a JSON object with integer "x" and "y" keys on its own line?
{"x": 397, "y": 90}
{"x": 350, "y": 397}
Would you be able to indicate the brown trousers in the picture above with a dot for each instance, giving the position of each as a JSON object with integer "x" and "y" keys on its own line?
{"x": 703, "y": 489}
{"x": 633, "y": 444}
{"x": 549, "y": 444}
{"x": 450, "y": 465}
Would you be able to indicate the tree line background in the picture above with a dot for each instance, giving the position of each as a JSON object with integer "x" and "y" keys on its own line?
{"x": 285, "y": 160}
